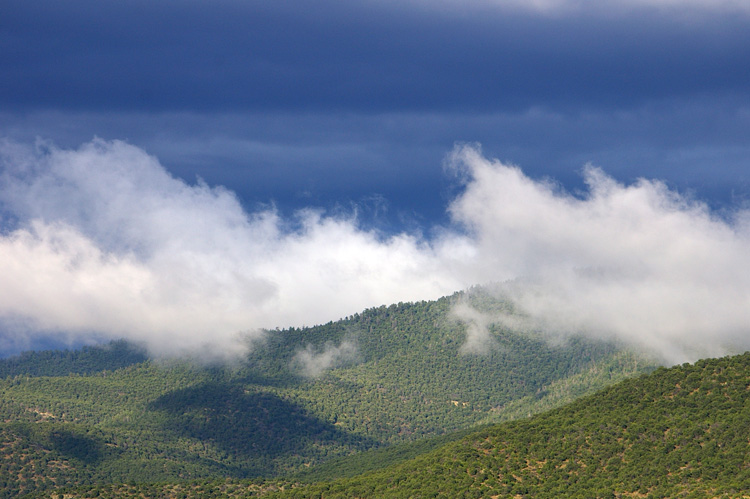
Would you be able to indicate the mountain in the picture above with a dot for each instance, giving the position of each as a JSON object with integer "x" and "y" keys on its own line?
{"x": 679, "y": 432}
{"x": 304, "y": 396}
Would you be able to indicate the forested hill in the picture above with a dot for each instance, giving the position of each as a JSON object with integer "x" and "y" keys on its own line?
{"x": 679, "y": 432}
{"x": 86, "y": 360}
{"x": 303, "y": 397}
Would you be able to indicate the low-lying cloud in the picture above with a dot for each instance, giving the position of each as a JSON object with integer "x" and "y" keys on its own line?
{"x": 102, "y": 242}
{"x": 479, "y": 340}
{"x": 314, "y": 362}
{"x": 638, "y": 263}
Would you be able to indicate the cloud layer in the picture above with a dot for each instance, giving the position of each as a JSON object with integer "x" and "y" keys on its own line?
{"x": 107, "y": 243}
{"x": 368, "y": 57}
{"x": 102, "y": 242}
{"x": 639, "y": 263}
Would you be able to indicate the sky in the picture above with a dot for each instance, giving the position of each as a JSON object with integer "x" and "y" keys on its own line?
{"x": 188, "y": 173}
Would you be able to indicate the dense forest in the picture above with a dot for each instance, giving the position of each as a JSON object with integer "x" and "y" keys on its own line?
{"x": 306, "y": 404}
{"x": 678, "y": 432}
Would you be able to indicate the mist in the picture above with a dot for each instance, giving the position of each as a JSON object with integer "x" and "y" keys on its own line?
{"x": 478, "y": 339}
{"x": 102, "y": 242}
{"x": 637, "y": 263}
{"x": 314, "y": 362}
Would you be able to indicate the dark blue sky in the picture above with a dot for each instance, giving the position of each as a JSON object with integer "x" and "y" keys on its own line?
{"x": 334, "y": 103}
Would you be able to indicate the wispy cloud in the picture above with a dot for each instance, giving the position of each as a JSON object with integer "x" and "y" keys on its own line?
{"x": 478, "y": 340}
{"x": 102, "y": 242}
{"x": 314, "y": 362}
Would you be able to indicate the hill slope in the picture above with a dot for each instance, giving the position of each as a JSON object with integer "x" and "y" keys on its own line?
{"x": 679, "y": 432}
{"x": 305, "y": 396}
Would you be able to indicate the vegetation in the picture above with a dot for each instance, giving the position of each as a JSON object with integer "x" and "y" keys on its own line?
{"x": 679, "y": 432}
{"x": 87, "y": 360}
{"x": 106, "y": 419}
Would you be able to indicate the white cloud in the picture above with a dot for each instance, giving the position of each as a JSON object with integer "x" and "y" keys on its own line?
{"x": 478, "y": 339}
{"x": 109, "y": 244}
{"x": 639, "y": 263}
{"x": 101, "y": 242}
{"x": 313, "y": 363}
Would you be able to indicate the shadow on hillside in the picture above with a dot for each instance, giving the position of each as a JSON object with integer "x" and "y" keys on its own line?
{"x": 284, "y": 380}
{"x": 249, "y": 424}
{"x": 83, "y": 448}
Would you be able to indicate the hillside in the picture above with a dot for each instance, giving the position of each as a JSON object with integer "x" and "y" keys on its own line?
{"x": 305, "y": 396}
{"x": 679, "y": 432}
{"x": 87, "y": 360}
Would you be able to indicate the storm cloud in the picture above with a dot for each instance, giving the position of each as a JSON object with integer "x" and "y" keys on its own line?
{"x": 345, "y": 101}
{"x": 366, "y": 56}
